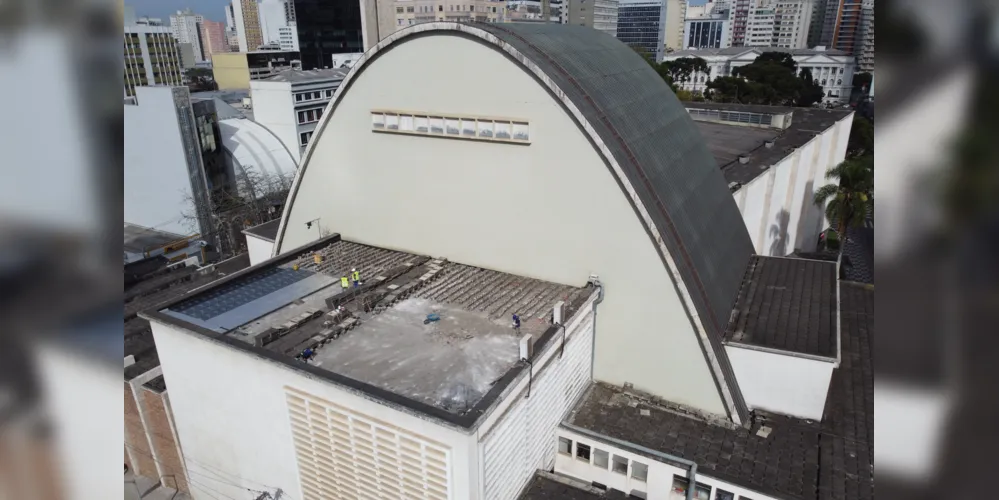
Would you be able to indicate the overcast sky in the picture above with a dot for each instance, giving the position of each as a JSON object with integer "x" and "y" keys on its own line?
{"x": 211, "y": 9}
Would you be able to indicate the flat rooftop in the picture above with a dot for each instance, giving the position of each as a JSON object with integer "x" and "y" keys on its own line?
{"x": 786, "y": 304}
{"x": 800, "y": 459}
{"x": 138, "y": 239}
{"x": 380, "y": 337}
{"x": 304, "y": 76}
{"x": 729, "y": 141}
{"x": 266, "y": 231}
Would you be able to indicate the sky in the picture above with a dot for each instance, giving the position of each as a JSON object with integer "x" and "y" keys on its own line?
{"x": 213, "y": 10}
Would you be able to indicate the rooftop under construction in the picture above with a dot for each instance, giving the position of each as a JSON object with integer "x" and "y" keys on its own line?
{"x": 436, "y": 332}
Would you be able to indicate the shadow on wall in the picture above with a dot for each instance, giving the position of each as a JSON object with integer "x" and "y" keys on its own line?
{"x": 778, "y": 234}
{"x": 803, "y": 239}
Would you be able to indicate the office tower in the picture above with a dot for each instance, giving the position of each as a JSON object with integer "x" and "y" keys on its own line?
{"x": 213, "y": 38}
{"x": 708, "y": 28}
{"x": 842, "y": 24}
{"x": 326, "y": 28}
{"x": 275, "y": 25}
{"x": 151, "y": 58}
{"x": 642, "y": 25}
{"x": 600, "y": 15}
{"x": 247, "y": 21}
{"x": 186, "y": 28}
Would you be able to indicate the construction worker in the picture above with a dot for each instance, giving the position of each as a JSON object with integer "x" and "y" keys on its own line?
{"x": 516, "y": 321}
{"x": 355, "y": 276}
{"x": 344, "y": 283}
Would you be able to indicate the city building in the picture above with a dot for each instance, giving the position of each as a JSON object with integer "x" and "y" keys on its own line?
{"x": 865, "y": 56}
{"x": 833, "y": 69}
{"x": 328, "y": 27}
{"x": 641, "y": 24}
{"x": 740, "y": 20}
{"x": 535, "y": 11}
{"x": 395, "y": 14}
{"x": 187, "y": 57}
{"x": 291, "y": 103}
{"x": 234, "y": 71}
{"x": 186, "y": 28}
{"x": 600, "y": 15}
{"x": 707, "y": 29}
{"x": 275, "y": 25}
{"x": 676, "y": 13}
{"x": 344, "y": 60}
{"x": 149, "y": 21}
{"x": 760, "y": 25}
{"x": 246, "y": 18}
{"x": 842, "y": 24}
{"x": 475, "y": 349}
{"x": 174, "y": 162}
{"x": 777, "y": 23}
{"x": 144, "y": 242}
{"x": 151, "y": 58}
{"x": 213, "y": 38}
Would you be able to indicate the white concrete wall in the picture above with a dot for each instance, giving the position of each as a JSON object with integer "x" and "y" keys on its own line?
{"x": 777, "y": 205}
{"x": 258, "y": 248}
{"x": 780, "y": 383}
{"x": 660, "y": 476}
{"x": 515, "y": 439}
{"x": 274, "y": 108}
{"x": 550, "y": 210}
{"x": 157, "y": 188}
{"x": 231, "y": 415}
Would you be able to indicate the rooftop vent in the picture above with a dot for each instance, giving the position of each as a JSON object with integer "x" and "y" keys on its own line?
{"x": 526, "y": 346}
{"x": 770, "y": 144}
{"x": 734, "y": 186}
{"x": 743, "y": 159}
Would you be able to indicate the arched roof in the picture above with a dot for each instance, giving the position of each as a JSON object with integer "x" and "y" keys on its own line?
{"x": 251, "y": 145}
{"x": 650, "y": 143}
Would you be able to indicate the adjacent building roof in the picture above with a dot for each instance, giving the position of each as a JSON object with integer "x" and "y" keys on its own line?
{"x": 139, "y": 239}
{"x": 799, "y": 459}
{"x": 378, "y": 337}
{"x": 254, "y": 148}
{"x": 787, "y": 304}
{"x": 304, "y": 76}
{"x": 266, "y": 231}
{"x": 547, "y": 486}
{"x": 734, "y": 51}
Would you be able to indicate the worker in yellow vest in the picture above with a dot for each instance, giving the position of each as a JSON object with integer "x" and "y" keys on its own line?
{"x": 344, "y": 283}
{"x": 355, "y": 276}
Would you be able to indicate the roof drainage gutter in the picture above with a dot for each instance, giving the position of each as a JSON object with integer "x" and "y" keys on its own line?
{"x": 593, "y": 338}
{"x": 691, "y": 466}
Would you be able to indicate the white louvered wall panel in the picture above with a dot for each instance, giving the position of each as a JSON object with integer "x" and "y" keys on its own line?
{"x": 345, "y": 454}
{"x": 524, "y": 439}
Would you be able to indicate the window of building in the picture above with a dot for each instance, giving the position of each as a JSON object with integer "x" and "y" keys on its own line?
{"x": 583, "y": 452}
{"x": 839, "y": 82}
{"x": 679, "y": 489}
{"x": 600, "y": 458}
{"x": 721, "y": 494}
{"x": 406, "y": 123}
{"x": 521, "y": 132}
{"x": 301, "y": 117}
{"x": 329, "y": 93}
{"x": 565, "y": 446}
{"x": 303, "y": 138}
{"x": 422, "y": 124}
{"x": 486, "y": 128}
{"x": 494, "y": 10}
{"x": 451, "y": 126}
{"x": 440, "y": 8}
{"x": 502, "y": 130}
{"x": 436, "y": 125}
{"x": 392, "y": 122}
{"x": 398, "y": 22}
{"x": 409, "y": 9}
{"x": 377, "y": 120}
{"x": 398, "y": 10}
{"x": 299, "y": 97}
{"x": 619, "y": 465}
{"x": 467, "y": 127}
{"x": 311, "y": 115}
{"x": 639, "y": 471}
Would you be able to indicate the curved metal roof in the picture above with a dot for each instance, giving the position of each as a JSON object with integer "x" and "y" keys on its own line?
{"x": 651, "y": 145}
{"x": 254, "y": 147}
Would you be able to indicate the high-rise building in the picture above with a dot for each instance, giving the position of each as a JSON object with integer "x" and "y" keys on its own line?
{"x": 841, "y": 23}
{"x": 707, "y": 28}
{"x": 536, "y": 11}
{"x": 213, "y": 38}
{"x": 275, "y": 26}
{"x": 384, "y": 17}
{"x": 600, "y": 15}
{"x": 771, "y": 23}
{"x": 676, "y": 12}
{"x": 642, "y": 25}
{"x": 865, "y": 55}
{"x": 151, "y": 58}
{"x": 760, "y": 25}
{"x": 327, "y": 27}
{"x": 186, "y": 28}
{"x": 791, "y": 23}
{"x": 247, "y": 20}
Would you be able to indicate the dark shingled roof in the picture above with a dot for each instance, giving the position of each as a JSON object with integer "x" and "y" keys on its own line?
{"x": 545, "y": 487}
{"x": 800, "y": 459}
{"x": 787, "y": 304}
{"x": 661, "y": 151}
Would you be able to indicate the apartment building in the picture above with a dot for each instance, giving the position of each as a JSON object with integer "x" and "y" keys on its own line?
{"x": 554, "y": 11}
{"x": 708, "y": 29}
{"x": 151, "y": 58}
{"x": 641, "y": 24}
{"x": 186, "y": 28}
{"x": 276, "y": 26}
{"x": 865, "y": 56}
{"x": 842, "y": 24}
{"x": 600, "y": 15}
{"x": 676, "y": 13}
{"x": 214, "y": 40}
{"x": 246, "y": 19}
{"x": 291, "y": 103}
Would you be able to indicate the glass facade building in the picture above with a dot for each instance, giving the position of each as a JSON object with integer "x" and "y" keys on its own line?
{"x": 327, "y": 27}
{"x": 642, "y": 25}
{"x": 706, "y": 34}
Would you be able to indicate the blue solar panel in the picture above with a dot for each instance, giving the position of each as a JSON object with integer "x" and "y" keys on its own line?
{"x": 232, "y": 295}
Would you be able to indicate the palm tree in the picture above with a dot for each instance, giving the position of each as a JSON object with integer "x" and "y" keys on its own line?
{"x": 848, "y": 201}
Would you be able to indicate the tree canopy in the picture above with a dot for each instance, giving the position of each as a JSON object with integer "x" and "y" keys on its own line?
{"x": 848, "y": 201}
{"x": 771, "y": 79}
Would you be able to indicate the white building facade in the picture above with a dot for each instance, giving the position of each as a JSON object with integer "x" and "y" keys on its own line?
{"x": 275, "y": 25}
{"x": 832, "y": 69}
{"x": 186, "y": 28}
{"x": 292, "y": 103}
